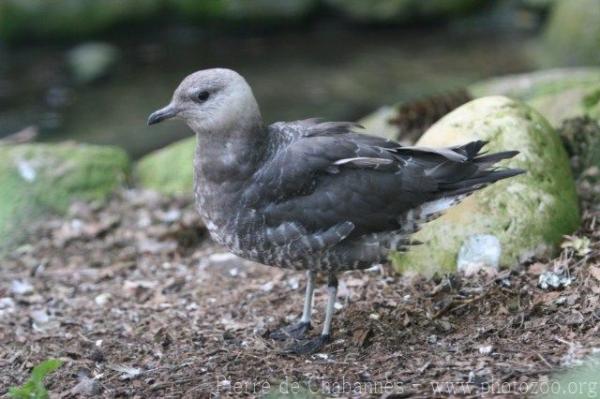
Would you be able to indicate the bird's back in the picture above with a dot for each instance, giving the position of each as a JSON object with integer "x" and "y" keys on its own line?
{"x": 326, "y": 197}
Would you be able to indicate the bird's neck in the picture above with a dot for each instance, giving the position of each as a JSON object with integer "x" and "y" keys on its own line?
{"x": 224, "y": 166}
{"x": 230, "y": 156}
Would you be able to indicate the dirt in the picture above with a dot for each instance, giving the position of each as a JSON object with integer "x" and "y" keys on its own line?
{"x": 138, "y": 302}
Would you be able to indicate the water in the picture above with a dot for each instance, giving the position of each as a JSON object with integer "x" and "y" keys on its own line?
{"x": 333, "y": 72}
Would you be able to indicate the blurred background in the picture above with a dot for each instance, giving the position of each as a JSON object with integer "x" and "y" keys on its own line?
{"x": 93, "y": 70}
{"x": 103, "y": 243}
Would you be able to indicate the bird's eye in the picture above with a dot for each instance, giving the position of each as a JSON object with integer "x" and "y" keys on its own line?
{"x": 203, "y": 96}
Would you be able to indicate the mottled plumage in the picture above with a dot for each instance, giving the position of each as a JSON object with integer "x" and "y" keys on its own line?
{"x": 313, "y": 195}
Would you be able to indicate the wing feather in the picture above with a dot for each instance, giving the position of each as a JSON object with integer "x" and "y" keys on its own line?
{"x": 324, "y": 175}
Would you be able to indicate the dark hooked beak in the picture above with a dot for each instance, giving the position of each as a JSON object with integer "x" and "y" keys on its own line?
{"x": 167, "y": 112}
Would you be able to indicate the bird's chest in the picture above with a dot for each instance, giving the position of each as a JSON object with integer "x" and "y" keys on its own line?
{"x": 227, "y": 217}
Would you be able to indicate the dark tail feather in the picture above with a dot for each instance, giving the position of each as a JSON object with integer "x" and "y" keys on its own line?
{"x": 470, "y": 150}
{"x": 485, "y": 172}
{"x": 469, "y": 185}
{"x": 493, "y": 158}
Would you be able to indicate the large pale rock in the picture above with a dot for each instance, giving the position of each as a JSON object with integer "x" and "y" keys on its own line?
{"x": 528, "y": 214}
{"x": 169, "y": 170}
{"x": 378, "y": 123}
{"x": 558, "y": 94}
{"x": 40, "y": 178}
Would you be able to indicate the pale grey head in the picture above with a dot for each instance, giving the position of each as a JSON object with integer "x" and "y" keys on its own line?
{"x": 211, "y": 100}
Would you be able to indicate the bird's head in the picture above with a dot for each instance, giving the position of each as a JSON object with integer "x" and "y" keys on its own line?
{"x": 211, "y": 100}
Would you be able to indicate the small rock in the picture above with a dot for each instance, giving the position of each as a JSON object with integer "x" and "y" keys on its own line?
{"x": 86, "y": 387}
{"x": 169, "y": 216}
{"x": 7, "y": 305}
{"x": 128, "y": 372}
{"x": 41, "y": 321}
{"x": 21, "y": 287}
{"x": 479, "y": 252}
{"x": 102, "y": 299}
{"x": 485, "y": 350}
{"x": 155, "y": 247}
{"x": 40, "y": 316}
{"x": 267, "y": 287}
{"x": 90, "y": 61}
{"x": 553, "y": 280}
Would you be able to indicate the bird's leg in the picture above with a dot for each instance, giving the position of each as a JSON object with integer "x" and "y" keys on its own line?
{"x": 298, "y": 329}
{"x": 314, "y": 344}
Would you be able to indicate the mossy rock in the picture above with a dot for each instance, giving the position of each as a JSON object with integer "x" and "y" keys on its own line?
{"x": 245, "y": 10}
{"x": 169, "y": 170}
{"x": 36, "y": 179}
{"x": 69, "y": 18}
{"x": 528, "y": 214}
{"x": 572, "y": 36}
{"x": 558, "y": 94}
{"x": 386, "y": 11}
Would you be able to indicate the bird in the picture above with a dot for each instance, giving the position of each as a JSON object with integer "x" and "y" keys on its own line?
{"x": 312, "y": 195}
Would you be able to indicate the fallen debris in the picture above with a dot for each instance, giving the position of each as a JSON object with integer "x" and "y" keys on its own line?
{"x": 186, "y": 319}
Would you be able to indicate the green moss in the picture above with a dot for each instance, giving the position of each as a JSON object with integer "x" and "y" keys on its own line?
{"x": 68, "y": 18}
{"x": 592, "y": 98}
{"x": 401, "y": 10}
{"x": 169, "y": 170}
{"x": 244, "y": 10}
{"x": 591, "y": 104}
{"x": 528, "y": 214}
{"x": 39, "y": 178}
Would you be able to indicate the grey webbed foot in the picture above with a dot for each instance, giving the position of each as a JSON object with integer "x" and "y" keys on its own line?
{"x": 295, "y": 331}
{"x": 308, "y": 346}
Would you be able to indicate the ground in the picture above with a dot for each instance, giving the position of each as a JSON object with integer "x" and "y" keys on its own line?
{"x": 138, "y": 302}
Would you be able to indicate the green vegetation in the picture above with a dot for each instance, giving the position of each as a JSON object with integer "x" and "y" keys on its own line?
{"x": 169, "y": 170}
{"x": 69, "y": 18}
{"x": 572, "y": 36}
{"x": 34, "y": 387}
